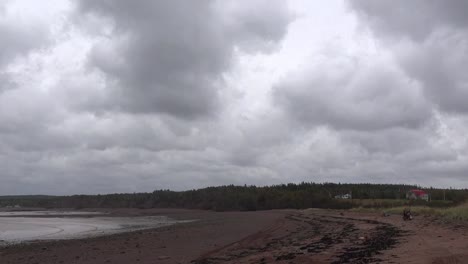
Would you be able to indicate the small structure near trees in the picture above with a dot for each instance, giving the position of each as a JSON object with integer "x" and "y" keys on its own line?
{"x": 343, "y": 196}
{"x": 417, "y": 195}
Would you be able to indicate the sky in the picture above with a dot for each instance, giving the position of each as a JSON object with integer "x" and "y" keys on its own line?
{"x": 132, "y": 96}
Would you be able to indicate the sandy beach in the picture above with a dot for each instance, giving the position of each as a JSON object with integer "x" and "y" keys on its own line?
{"x": 277, "y": 236}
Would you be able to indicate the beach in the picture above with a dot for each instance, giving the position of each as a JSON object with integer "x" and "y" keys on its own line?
{"x": 276, "y": 236}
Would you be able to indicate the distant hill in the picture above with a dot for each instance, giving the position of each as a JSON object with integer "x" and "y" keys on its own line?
{"x": 6, "y": 197}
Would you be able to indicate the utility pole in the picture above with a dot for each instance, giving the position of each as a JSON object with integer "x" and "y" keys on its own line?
{"x": 329, "y": 193}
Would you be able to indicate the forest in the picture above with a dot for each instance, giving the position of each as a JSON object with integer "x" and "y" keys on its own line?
{"x": 249, "y": 198}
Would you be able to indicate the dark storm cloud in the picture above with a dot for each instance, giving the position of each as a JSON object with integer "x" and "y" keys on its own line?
{"x": 430, "y": 40}
{"x": 169, "y": 56}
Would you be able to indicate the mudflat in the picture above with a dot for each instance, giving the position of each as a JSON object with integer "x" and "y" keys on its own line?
{"x": 276, "y": 236}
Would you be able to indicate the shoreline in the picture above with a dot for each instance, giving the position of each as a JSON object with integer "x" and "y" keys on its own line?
{"x": 279, "y": 236}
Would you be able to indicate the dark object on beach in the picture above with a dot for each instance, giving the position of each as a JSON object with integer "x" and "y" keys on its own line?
{"x": 407, "y": 215}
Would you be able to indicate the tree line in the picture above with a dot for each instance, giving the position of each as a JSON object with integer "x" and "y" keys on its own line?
{"x": 244, "y": 198}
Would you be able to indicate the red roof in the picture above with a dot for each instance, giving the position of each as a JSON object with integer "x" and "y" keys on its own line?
{"x": 418, "y": 192}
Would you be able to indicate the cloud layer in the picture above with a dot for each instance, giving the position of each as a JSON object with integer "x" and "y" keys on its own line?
{"x": 169, "y": 56}
{"x": 119, "y": 96}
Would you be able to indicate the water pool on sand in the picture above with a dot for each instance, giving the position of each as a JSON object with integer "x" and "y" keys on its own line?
{"x": 17, "y": 229}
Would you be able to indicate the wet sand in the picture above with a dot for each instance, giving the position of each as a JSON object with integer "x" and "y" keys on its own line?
{"x": 15, "y": 229}
{"x": 278, "y": 236}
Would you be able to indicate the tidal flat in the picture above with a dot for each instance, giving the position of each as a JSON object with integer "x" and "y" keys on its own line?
{"x": 26, "y": 226}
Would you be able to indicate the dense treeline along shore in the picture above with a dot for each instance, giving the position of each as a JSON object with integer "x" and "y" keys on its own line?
{"x": 250, "y": 198}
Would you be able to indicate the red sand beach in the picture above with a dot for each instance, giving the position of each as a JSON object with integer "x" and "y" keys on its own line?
{"x": 277, "y": 236}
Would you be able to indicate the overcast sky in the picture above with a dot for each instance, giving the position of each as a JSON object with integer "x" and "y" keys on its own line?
{"x": 128, "y": 96}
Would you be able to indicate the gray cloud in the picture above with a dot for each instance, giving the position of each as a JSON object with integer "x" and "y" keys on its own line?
{"x": 393, "y": 141}
{"x": 416, "y": 19}
{"x": 6, "y": 82}
{"x": 348, "y": 93}
{"x": 169, "y": 56}
{"x": 439, "y": 65}
{"x": 391, "y": 116}
{"x": 19, "y": 38}
{"x": 135, "y": 96}
{"x": 429, "y": 39}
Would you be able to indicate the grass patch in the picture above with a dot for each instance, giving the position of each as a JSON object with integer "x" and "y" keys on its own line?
{"x": 391, "y": 203}
{"x": 452, "y": 213}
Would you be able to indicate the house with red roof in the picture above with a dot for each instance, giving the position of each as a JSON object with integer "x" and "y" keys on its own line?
{"x": 417, "y": 195}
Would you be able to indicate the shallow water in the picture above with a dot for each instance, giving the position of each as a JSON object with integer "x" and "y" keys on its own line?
{"x": 16, "y": 229}
{"x": 47, "y": 213}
